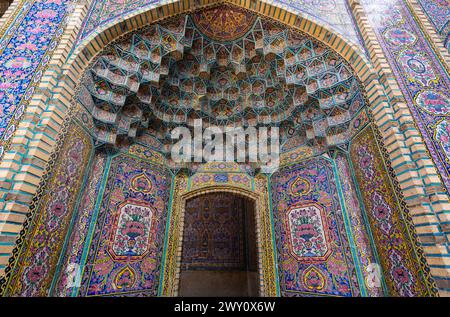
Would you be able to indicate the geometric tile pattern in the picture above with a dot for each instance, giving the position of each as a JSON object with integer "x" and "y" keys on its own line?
{"x": 333, "y": 13}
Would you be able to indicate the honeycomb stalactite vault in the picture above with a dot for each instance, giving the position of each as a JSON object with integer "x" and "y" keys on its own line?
{"x": 92, "y": 203}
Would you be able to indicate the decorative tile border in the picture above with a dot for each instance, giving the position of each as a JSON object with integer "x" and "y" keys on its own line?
{"x": 60, "y": 178}
{"x": 399, "y": 251}
{"x": 36, "y": 134}
{"x": 429, "y": 31}
{"x": 417, "y": 71}
{"x": 421, "y": 184}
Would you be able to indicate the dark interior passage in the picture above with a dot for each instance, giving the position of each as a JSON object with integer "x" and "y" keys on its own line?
{"x": 219, "y": 247}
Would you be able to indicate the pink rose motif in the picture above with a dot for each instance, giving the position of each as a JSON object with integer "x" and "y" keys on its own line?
{"x": 314, "y": 280}
{"x": 18, "y": 62}
{"x": 96, "y": 288}
{"x": 381, "y": 212}
{"x": 306, "y": 231}
{"x": 7, "y": 85}
{"x": 46, "y": 14}
{"x": 343, "y": 288}
{"x": 401, "y": 275}
{"x": 102, "y": 269}
{"x": 58, "y": 2}
{"x": 125, "y": 280}
{"x": 58, "y": 209}
{"x": 75, "y": 154}
{"x": 27, "y": 46}
{"x": 35, "y": 30}
{"x": 365, "y": 161}
{"x": 35, "y": 274}
{"x": 133, "y": 229}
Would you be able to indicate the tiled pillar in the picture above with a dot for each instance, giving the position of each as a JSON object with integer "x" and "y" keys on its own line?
{"x": 417, "y": 175}
{"x": 23, "y": 163}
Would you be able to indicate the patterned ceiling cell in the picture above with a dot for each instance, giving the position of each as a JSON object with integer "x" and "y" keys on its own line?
{"x": 223, "y": 25}
{"x": 213, "y": 237}
{"x": 314, "y": 254}
{"x": 173, "y": 73}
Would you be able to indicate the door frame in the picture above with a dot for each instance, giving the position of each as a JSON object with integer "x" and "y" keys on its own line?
{"x": 265, "y": 244}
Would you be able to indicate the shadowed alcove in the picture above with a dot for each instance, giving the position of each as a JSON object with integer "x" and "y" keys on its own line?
{"x": 219, "y": 247}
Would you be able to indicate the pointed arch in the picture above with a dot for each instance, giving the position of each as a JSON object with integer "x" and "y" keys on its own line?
{"x": 93, "y": 44}
{"x": 265, "y": 244}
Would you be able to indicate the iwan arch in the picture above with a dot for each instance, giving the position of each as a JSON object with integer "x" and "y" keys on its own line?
{"x": 98, "y": 208}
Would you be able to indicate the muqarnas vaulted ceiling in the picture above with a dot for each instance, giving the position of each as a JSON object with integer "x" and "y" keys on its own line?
{"x": 227, "y": 66}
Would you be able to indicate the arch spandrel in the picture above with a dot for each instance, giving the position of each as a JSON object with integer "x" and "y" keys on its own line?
{"x": 324, "y": 12}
